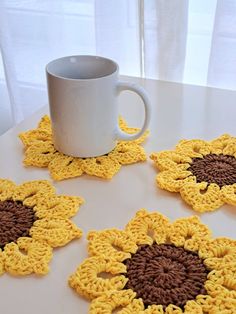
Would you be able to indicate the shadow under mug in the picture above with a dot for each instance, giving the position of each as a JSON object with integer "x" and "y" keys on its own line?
{"x": 83, "y": 92}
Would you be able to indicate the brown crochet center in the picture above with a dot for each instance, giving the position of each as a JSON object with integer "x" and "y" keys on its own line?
{"x": 16, "y": 220}
{"x": 165, "y": 274}
{"x": 212, "y": 168}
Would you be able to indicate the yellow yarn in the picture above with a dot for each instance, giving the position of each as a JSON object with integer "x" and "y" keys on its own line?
{"x": 40, "y": 152}
{"x": 7, "y": 189}
{"x": 174, "y": 175}
{"x": 138, "y": 228}
{"x": 36, "y": 260}
{"x": 228, "y": 194}
{"x": 218, "y": 252}
{"x": 188, "y": 233}
{"x": 51, "y": 229}
{"x": 106, "y": 242}
{"x": 87, "y": 282}
{"x": 1, "y": 262}
{"x": 108, "y": 248}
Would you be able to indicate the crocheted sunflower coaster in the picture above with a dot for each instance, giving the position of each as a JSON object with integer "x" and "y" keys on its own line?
{"x": 204, "y": 173}
{"x": 33, "y": 220}
{"x": 40, "y": 152}
{"x": 157, "y": 267}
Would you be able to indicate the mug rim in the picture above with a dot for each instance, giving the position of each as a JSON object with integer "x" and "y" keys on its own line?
{"x": 81, "y": 56}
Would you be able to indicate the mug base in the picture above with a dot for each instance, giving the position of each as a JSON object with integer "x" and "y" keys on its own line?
{"x": 84, "y": 155}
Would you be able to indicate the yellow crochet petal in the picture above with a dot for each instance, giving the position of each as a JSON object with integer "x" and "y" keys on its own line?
{"x": 193, "y": 148}
{"x": 61, "y": 206}
{"x": 202, "y": 197}
{"x": 122, "y": 123}
{"x": 221, "y": 283}
{"x": 230, "y": 148}
{"x": 173, "y": 309}
{"x": 167, "y": 160}
{"x": 39, "y": 154}
{"x": 55, "y": 231}
{"x": 7, "y": 188}
{"x": 87, "y": 282}
{"x": 45, "y": 123}
{"x": 135, "y": 306}
{"x": 102, "y": 167}
{"x": 224, "y": 144}
{"x": 111, "y": 243}
{"x": 127, "y": 153}
{"x": 65, "y": 167}
{"x": 192, "y": 307}
{"x": 223, "y": 306}
{"x": 107, "y": 303}
{"x": 189, "y": 233}
{"x": 218, "y": 305}
{"x": 228, "y": 194}
{"x": 219, "y": 144}
{"x": 1, "y": 262}
{"x": 153, "y": 309}
{"x": 36, "y": 258}
{"x": 144, "y": 224}
{"x": 36, "y": 136}
{"x": 174, "y": 180}
{"x": 205, "y": 301}
{"x": 218, "y": 253}
{"x": 124, "y": 127}
{"x": 30, "y": 192}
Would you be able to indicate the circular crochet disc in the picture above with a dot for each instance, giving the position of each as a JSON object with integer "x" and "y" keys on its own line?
{"x": 203, "y": 172}
{"x": 156, "y": 266}
{"x": 16, "y": 220}
{"x": 40, "y": 152}
{"x": 212, "y": 168}
{"x": 34, "y": 219}
{"x": 165, "y": 274}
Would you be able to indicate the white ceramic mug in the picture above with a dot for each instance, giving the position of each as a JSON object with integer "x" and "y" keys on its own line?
{"x": 83, "y": 93}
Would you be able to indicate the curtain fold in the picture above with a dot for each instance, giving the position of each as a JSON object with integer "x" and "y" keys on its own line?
{"x": 165, "y": 36}
{"x": 222, "y": 62}
{"x": 117, "y": 33}
{"x": 8, "y": 62}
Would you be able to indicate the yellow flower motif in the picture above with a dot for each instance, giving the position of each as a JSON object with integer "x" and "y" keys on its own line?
{"x": 33, "y": 220}
{"x": 204, "y": 173}
{"x": 40, "y": 152}
{"x": 154, "y": 266}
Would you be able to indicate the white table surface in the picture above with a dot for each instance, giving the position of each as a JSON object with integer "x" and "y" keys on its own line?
{"x": 179, "y": 111}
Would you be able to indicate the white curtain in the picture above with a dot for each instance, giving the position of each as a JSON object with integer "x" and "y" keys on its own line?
{"x": 222, "y": 61}
{"x": 190, "y": 41}
{"x": 165, "y": 34}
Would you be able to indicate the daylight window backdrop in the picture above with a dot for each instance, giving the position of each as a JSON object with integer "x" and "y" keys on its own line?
{"x": 190, "y": 41}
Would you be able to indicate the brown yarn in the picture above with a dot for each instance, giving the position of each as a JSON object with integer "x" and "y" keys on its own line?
{"x": 16, "y": 220}
{"x": 212, "y": 168}
{"x": 165, "y": 274}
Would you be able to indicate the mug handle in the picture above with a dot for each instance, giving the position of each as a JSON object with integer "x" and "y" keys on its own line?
{"x": 122, "y": 86}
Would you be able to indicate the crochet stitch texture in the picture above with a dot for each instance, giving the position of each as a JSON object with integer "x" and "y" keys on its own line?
{"x": 40, "y": 152}
{"x": 203, "y": 172}
{"x": 158, "y": 267}
{"x": 33, "y": 221}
